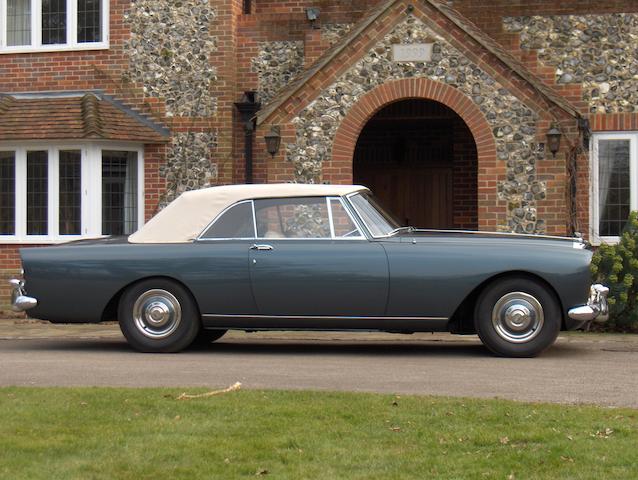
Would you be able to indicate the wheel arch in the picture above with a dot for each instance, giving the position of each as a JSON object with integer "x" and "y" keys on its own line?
{"x": 462, "y": 321}
{"x": 110, "y": 311}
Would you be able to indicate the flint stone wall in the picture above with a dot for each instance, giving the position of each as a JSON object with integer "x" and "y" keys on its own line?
{"x": 189, "y": 164}
{"x": 600, "y": 52}
{"x": 333, "y": 32}
{"x": 513, "y": 123}
{"x": 170, "y": 50}
{"x": 276, "y": 65}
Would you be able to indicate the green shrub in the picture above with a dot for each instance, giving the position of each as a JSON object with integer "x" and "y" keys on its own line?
{"x": 617, "y": 267}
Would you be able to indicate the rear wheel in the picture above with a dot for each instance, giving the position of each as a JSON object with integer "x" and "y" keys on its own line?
{"x": 517, "y": 317}
{"x": 158, "y": 316}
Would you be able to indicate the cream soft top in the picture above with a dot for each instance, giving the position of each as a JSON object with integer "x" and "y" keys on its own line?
{"x": 186, "y": 217}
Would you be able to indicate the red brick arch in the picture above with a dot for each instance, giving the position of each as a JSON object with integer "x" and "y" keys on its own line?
{"x": 339, "y": 168}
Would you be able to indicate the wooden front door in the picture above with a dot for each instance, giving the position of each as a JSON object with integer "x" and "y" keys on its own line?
{"x": 415, "y": 157}
{"x": 420, "y": 197}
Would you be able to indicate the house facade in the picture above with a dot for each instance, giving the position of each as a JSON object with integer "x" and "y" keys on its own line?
{"x": 475, "y": 114}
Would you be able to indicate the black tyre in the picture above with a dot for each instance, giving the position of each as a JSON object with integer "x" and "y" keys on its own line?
{"x": 206, "y": 337}
{"x": 158, "y": 316}
{"x": 517, "y": 317}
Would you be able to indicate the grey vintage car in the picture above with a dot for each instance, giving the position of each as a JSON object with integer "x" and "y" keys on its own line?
{"x": 311, "y": 257}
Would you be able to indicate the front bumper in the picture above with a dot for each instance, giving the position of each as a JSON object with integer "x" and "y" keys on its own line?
{"x": 596, "y": 309}
{"x": 19, "y": 300}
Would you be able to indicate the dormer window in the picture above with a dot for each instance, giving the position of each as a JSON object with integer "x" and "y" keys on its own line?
{"x": 53, "y": 25}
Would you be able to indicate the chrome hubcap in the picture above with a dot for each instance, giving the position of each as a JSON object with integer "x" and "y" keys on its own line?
{"x": 157, "y": 314}
{"x": 518, "y": 317}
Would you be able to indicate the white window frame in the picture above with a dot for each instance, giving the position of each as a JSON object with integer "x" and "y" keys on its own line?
{"x": 594, "y": 216}
{"x": 36, "y": 31}
{"x": 91, "y": 181}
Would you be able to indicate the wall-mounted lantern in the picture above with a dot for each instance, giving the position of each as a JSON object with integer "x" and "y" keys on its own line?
{"x": 273, "y": 141}
{"x": 553, "y": 139}
{"x": 313, "y": 14}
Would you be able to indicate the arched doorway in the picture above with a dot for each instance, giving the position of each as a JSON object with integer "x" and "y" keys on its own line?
{"x": 420, "y": 159}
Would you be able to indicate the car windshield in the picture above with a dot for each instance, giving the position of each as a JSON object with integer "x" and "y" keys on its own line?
{"x": 377, "y": 219}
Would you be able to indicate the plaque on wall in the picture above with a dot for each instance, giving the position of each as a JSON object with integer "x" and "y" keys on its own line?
{"x": 417, "y": 52}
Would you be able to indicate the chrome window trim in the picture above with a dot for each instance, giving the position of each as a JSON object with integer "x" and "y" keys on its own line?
{"x": 348, "y": 209}
{"x": 223, "y": 212}
{"x": 254, "y": 218}
{"x": 330, "y": 219}
{"x": 270, "y": 240}
{"x": 355, "y": 221}
{"x": 361, "y": 220}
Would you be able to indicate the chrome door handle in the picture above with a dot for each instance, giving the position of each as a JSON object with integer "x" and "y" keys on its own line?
{"x": 262, "y": 248}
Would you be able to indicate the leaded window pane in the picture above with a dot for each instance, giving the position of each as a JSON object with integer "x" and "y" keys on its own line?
{"x": 119, "y": 193}
{"x": 18, "y": 22}
{"x": 70, "y": 193}
{"x": 89, "y": 21}
{"x": 614, "y": 186}
{"x": 37, "y": 193}
{"x": 7, "y": 193}
{"x": 54, "y": 22}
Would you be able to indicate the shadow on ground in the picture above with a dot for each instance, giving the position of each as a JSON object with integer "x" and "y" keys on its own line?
{"x": 297, "y": 348}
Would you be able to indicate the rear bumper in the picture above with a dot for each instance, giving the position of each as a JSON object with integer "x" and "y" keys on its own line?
{"x": 20, "y": 302}
{"x": 596, "y": 309}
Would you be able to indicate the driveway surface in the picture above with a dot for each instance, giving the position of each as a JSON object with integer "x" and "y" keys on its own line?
{"x": 580, "y": 368}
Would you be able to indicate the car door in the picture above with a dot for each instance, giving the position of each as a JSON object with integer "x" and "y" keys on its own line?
{"x": 219, "y": 276}
{"x": 311, "y": 260}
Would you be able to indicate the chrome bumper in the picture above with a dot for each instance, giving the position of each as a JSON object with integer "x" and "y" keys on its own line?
{"x": 596, "y": 308}
{"x": 19, "y": 301}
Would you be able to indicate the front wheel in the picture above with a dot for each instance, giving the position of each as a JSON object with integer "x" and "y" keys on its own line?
{"x": 158, "y": 316}
{"x": 517, "y": 317}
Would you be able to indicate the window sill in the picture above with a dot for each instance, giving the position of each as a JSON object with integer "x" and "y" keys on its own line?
{"x": 54, "y": 48}
{"x": 34, "y": 240}
{"x": 598, "y": 241}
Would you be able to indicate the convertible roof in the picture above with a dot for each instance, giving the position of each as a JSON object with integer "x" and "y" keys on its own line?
{"x": 186, "y": 217}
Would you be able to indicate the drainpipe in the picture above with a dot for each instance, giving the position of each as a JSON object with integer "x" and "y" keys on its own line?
{"x": 248, "y": 107}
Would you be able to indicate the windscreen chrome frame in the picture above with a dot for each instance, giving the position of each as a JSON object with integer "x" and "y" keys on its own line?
{"x": 361, "y": 220}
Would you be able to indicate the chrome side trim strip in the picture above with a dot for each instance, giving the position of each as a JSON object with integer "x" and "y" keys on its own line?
{"x": 317, "y": 317}
{"x": 502, "y": 234}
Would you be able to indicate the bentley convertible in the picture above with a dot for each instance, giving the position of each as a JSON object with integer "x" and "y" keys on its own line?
{"x": 311, "y": 257}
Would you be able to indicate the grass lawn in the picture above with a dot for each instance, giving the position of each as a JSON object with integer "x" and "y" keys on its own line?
{"x": 92, "y": 433}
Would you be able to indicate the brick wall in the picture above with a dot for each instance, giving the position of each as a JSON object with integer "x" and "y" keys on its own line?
{"x": 465, "y": 177}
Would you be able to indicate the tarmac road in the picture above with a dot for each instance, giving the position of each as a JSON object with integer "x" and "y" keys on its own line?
{"x": 580, "y": 368}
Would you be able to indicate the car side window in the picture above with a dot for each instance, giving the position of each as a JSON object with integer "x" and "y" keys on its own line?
{"x": 343, "y": 225}
{"x": 293, "y": 218}
{"x": 236, "y": 222}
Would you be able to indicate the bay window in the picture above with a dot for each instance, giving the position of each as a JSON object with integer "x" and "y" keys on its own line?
{"x": 59, "y": 193}
{"x": 52, "y": 25}
{"x": 614, "y": 184}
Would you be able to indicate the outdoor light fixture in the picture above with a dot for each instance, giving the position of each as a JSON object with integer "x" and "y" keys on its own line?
{"x": 553, "y": 139}
{"x": 313, "y": 16}
{"x": 273, "y": 140}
